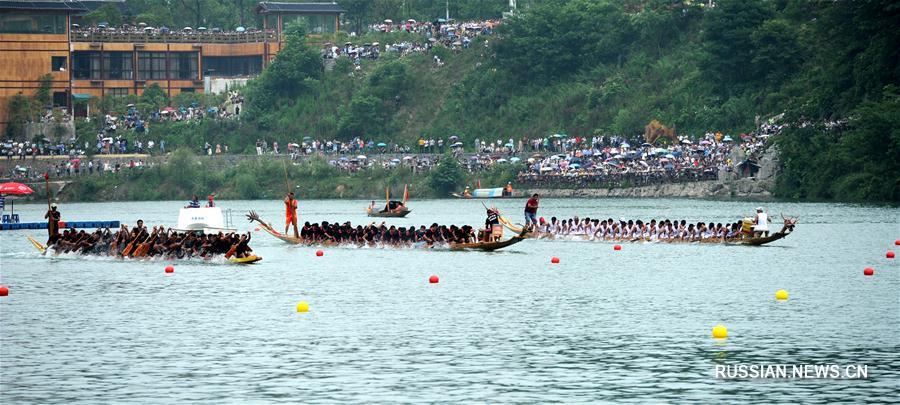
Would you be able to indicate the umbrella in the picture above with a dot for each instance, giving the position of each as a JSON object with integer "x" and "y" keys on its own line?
{"x": 454, "y": 138}
{"x": 388, "y": 21}
{"x": 381, "y": 144}
{"x": 395, "y": 160}
{"x": 168, "y": 109}
{"x": 646, "y": 145}
{"x": 686, "y": 141}
{"x": 362, "y": 157}
{"x": 457, "y": 43}
{"x": 705, "y": 142}
{"x": 306, "y": 138}
{"x": 294, "y": 145}
{"x": 625, "y": 145}
{"x": 501, "y": 160}
{"x": 407, "y": 158}
{"x": 727, "y": 138}
{"x": 670, "y": 156}
{"x": 509, "y": 145}
{"x": 514, "y": 159}
{"x": 14, "y": 189}
{"x": 188, "y": 29}
{"x": 148, "y": 28}
{"x": 574, "y": 166}
{"x": 432, "y": 39}
{"x": 201, "y": 28}
{"x": 456, "y": 145}
{"x": 411, "y": 21}
{"x": 240, "y": 29}
{"x": 557, "y": 136}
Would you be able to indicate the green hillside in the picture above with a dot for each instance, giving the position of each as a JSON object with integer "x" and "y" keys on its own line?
{"x": 586, "y": 67}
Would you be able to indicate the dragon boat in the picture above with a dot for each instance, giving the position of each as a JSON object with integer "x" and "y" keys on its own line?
{"x": 252, "y": 216}
{"x": 44, "y": 250}
{"x": 746, "y": 240}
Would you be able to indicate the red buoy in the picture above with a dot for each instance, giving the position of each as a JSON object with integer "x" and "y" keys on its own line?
{"x": 554, "y": 260}
{"x": 4, "y": 291}
{"x": 433, "y": 279}
{"x": 890, "y": 254}
{"x": 617, "y": 247}
{"x": 869, "y": 271}
{"x": 256, "y": 229}
{"x": 170, "y": 269}
{"x": 320, "y": 253}
{"x": 897, "y": 242}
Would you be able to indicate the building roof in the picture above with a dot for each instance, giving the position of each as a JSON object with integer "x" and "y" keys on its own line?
{"x": 92, "y": 5}
{"x": 68, "y": 6}
{"x": 266, "y": 7}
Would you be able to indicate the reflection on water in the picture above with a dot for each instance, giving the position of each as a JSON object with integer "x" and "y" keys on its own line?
{"x": 500, "y": 327}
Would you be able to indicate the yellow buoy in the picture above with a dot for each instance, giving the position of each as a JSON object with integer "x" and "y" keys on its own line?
{"x": 720, "y": 332}
{"x": 302, "y": 306}
{"x": 781, "y": 295}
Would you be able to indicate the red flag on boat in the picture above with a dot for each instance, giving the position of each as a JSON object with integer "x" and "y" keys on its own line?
{"x": 477, "y": 183}
{"x": 46, "y": 176}
{"x": 405, "y": 193}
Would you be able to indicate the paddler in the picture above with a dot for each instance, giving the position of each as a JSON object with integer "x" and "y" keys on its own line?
{"x": 290, "y": 215}
{"x": 466, "y": 192}
{"x": 53, "y": 217}
{"x": 508, "y": 190}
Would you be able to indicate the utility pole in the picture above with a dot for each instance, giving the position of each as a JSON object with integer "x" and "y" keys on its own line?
{"x": 447, "y": 10}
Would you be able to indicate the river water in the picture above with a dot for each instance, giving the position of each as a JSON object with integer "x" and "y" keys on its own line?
{"x": 632, "y": 325}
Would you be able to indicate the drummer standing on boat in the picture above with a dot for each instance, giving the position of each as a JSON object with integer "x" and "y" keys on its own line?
{"x": 53, "y": 217}
{"x": 531, "y": 208}
{"x": 290, "y": 215}
{"x": 761, "y": 222}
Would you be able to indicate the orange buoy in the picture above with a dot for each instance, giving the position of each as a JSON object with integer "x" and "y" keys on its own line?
{"x": 869, "y": 271}
{"x": 170, "y": 269}
{"x": 890, "y": 254}
{"x": 617, "y": 247}
{"x": 433, "y": 279}
{"x": 4, "y": 291}
{"x": 554, "y": 260}
{"x": 320, "y": 253}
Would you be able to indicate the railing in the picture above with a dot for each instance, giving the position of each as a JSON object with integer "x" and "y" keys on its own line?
{"x": 180, "y": 38}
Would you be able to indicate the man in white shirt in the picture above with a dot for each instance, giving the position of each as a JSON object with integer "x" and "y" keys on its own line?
{"x": 761, "y": 223}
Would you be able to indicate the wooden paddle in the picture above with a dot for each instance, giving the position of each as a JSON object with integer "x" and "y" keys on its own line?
{"x": 143, "y": 248}
{"x": 129, "y": 249}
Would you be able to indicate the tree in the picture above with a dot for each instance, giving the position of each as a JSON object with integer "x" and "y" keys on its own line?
{"x": 42, "y": 94}
{"x": 18, "y": 114}
{"x": 154, "y": 96}
{"x": 447, "y": 176}
{"x": 107, "y": 13}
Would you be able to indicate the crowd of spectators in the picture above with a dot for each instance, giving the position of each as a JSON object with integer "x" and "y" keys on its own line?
{"x": 451, "y": 34}
{"x": 618, "y": 162}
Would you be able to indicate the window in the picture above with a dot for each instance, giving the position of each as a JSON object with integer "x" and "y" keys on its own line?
{"x": 151, "y": 65}
{"x": 117, "y": 91}
{"x": 316, "y": 24}
{"x": 58, "y": 63}
{"x": 60, "y": 99}
{"x": 24, "y": 23}
{"x": 231, "y": 66}
{"x": 118, "y": 65}
{"x": 183, "y": 66}
{"x": 86, "y": 65}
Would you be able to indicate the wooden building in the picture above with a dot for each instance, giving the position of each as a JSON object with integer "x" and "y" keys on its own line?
{"x": 37, "y": 38}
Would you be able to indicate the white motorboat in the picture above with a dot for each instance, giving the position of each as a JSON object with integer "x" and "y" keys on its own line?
{"x": 206, "y": 219}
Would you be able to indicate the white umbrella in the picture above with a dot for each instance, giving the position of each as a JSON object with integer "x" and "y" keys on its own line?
{"x": 362, "y": 157}
{"x": 388, "y": 22}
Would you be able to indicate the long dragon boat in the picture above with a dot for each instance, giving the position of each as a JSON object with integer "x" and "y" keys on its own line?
{"x": 44, "y": 250}
{"x": 252, "y": 216}
{"x": 745, "y": 240}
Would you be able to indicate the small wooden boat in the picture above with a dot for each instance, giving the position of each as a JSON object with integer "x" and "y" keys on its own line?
{"x": 487, "y": 246}
{"x": 498, "y": 192}
{"x": 400, "y": 212}
{"x": 392, "y": 209}
{"x": 233, "y": 260}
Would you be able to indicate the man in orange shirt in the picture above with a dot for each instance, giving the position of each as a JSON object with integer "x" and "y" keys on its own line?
{"x": 290, "y": 215}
